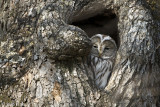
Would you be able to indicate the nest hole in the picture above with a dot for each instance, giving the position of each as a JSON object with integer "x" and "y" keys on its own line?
{"x": 104, "y": 23}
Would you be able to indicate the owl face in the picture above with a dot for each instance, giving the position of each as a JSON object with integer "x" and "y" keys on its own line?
{"x": 103, "y": 46}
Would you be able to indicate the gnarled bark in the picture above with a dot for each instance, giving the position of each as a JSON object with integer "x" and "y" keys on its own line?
{"x": 40, "y": 54}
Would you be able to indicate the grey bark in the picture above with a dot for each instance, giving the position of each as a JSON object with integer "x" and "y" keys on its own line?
{"x": 40, "y": 55}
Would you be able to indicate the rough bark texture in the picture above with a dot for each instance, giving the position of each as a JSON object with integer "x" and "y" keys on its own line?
{"x": 40, "y": 54}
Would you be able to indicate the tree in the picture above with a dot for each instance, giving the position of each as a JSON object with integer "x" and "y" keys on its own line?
{"x": 40, "y": 54}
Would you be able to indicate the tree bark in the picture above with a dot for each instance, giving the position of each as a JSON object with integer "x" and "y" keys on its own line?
{"x": 41, "y": 54}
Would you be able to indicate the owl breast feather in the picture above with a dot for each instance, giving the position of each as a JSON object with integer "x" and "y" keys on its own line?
{"x": 102, "y": 70}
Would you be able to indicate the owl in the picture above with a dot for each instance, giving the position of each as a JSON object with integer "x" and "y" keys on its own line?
{"x": 101, "y": 59}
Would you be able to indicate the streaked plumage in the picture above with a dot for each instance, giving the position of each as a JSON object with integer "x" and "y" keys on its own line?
{"x": 101, "y": 59}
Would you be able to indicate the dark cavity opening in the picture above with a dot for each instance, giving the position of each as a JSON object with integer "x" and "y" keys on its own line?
{"x": 104, "y": 23}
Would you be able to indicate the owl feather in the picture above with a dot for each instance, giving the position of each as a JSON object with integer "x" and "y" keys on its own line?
{"x": 101, "y": 59}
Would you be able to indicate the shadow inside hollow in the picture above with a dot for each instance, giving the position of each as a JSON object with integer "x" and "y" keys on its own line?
{"x": 101, "y": 24}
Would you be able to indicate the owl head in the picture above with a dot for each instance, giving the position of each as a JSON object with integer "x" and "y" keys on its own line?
{"x": 103, "y": 46}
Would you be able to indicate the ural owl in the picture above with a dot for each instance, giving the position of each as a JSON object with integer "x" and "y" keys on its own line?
{"x": 101, "y": 59}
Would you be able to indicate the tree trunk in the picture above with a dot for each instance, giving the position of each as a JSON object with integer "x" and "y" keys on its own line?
{"x": 41, "y": 54}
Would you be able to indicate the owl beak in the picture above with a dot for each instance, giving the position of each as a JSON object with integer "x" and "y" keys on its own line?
{"x": 100, "y": 54}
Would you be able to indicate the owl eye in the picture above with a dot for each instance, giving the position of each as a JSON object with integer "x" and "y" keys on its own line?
{"x": 95, "y": 46}
{"x": 106, "y": 48}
